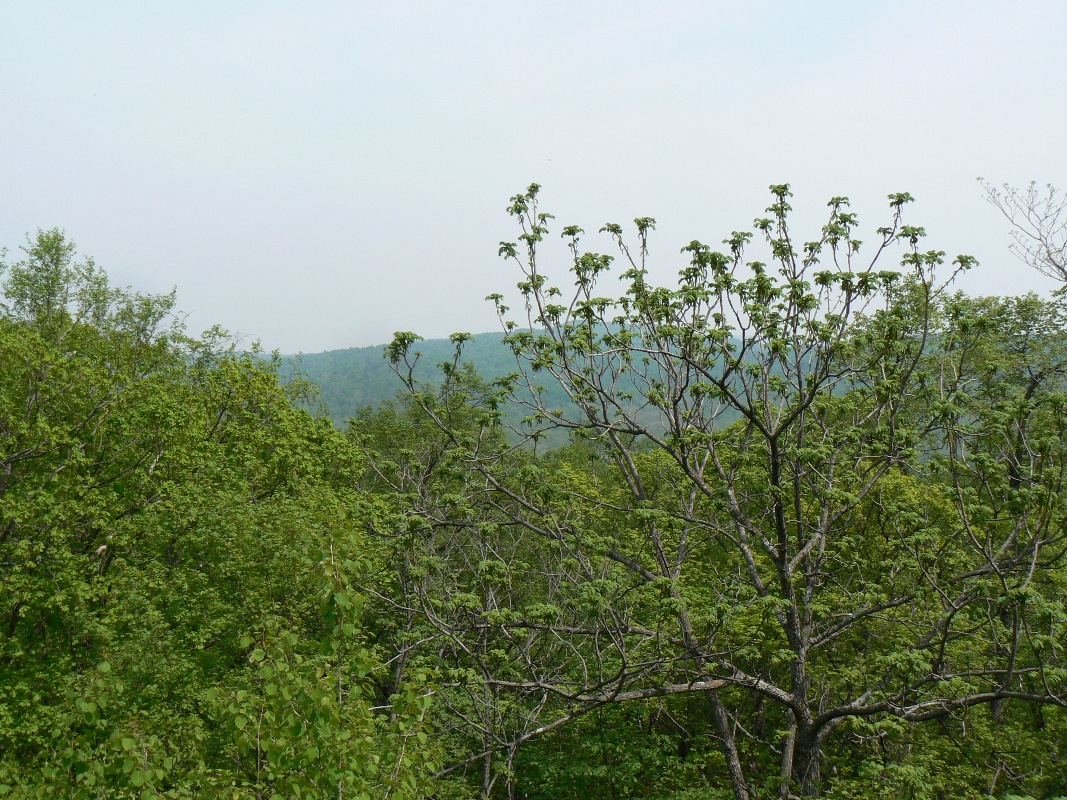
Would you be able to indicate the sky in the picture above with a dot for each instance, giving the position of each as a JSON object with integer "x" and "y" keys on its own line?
{"x": 318, "y": 175}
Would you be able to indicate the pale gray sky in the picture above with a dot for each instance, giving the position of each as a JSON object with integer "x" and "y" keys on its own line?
{"x": 317, "y": 175}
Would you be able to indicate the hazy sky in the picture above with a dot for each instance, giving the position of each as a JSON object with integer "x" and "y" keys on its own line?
{"x": 317, "y": 175}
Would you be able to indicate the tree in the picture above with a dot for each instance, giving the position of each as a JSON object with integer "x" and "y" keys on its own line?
{"x": 179, "y": 550}
{"x": 821, "y": 497}
{"x": 1038, "y": 220}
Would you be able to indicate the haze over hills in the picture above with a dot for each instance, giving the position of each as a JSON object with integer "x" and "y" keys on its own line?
{"x": 358, "y": 377}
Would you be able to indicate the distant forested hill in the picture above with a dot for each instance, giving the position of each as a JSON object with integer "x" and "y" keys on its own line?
{"x": 361, "y": 376}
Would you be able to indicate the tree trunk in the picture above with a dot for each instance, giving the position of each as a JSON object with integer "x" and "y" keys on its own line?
{"x": 729, "y": 746}
{"x": 806, "y": 768}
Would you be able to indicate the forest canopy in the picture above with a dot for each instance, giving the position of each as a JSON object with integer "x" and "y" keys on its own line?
{"x": 792, "y": 527}
{"x": 181, "y": 547}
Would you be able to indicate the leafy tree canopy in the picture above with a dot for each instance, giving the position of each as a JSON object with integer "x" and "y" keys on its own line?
{"x": 812, "y": 524}
{"x": 180, "y": 547}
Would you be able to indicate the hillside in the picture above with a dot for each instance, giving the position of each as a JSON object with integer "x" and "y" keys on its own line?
{"x": 358, "y": 377}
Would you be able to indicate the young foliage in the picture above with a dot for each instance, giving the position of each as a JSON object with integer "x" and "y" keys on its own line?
{"x": 819, "y": 496}
{"x": 179, "y": 550}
